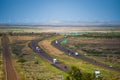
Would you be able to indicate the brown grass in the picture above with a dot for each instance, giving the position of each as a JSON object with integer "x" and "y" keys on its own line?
{"x": 1, "y": 63}
{"x": 94, "y": 41}
{"x": 47, "y": 45}
{"x": 26, "y": 49}
{"x": 0, "y": 41}
{"x": 29, "y": 69}
{"x": 108, "y": 47}
{"x": 15, "y": 38}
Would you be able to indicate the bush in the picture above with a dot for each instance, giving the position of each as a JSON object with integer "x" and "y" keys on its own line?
{"x": 76, "y": 74}
{"x": 36, "y": 62}
{"x": 16, "y": 49}
{"x": 22, "y": 60}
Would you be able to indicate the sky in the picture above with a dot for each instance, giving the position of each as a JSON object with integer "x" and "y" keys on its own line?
{"x": 56, "y": 11}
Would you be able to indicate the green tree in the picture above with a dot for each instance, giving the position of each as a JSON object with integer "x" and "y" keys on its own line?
{"x": 76, "y": 74}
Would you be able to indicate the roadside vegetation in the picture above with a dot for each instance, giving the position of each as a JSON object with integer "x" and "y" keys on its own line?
{"x": 76, "y": 74}
{"x": 1, "y": 62}
{"x": 102, "y": 48}
{"x": 107, "y": 35}
{"x": 70, "y": 61}
{"x": 30, "y": 65}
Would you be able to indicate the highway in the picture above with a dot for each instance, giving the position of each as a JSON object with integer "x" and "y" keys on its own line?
{"x": 47, "y": 57}
{"x": 82, "y": 57}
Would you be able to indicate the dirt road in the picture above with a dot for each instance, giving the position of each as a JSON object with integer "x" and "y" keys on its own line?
{"x": 10, "y": 72}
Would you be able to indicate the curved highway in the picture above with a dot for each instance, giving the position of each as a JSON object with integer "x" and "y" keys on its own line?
{"x": 72, "y": 53}
{"x": 43, "y": 54}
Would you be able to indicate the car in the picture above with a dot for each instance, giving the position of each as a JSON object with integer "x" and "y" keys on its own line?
{"x": 76, "y": 53}
{"x": 56, "y": 42}
{"x": 54, "y": 60}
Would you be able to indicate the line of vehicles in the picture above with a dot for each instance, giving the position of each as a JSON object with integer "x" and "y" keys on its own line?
{"x": 39, "y": 50}
{"x": 54, "y": 59}
{"x": 69, "y": 53}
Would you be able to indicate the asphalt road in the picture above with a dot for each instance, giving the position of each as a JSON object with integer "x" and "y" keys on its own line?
{"x": 72, "y": 53}
{"x": 10, "y": 72}
{"x": 46, "y": 56}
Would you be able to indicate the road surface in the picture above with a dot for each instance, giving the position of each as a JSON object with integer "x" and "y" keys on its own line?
{"x": 43, "y": 54}
{"x": 10, "y": 72}
{"x": 72, "y": 53}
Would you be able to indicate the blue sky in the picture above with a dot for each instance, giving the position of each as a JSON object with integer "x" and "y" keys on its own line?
{"x": 54, "y": 11}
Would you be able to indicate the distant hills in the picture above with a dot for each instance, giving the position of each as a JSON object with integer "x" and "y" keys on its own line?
{"x": 66, "y": 24}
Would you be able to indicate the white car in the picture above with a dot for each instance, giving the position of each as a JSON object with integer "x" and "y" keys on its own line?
{"x": 56, "y": 42}
{"x": 76, "y": 54}
{"x": 37, "y": 48}
{"x": 54, "y": 60}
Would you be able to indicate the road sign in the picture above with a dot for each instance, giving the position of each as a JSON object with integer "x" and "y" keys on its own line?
{"x": 76, "y": 34}
{"x": 64, "y": 41}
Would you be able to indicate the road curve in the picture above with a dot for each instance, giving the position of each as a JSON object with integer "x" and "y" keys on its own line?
{"x": 43, "y": 54}
{"x": 67, "y": 51}
{"x": 10, "y": 72}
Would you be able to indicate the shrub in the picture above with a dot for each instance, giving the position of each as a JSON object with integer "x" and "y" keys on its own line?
{"x": 76, "y": 74}
{"x": 22, "y": 60}
{"x": 36, "y": 62}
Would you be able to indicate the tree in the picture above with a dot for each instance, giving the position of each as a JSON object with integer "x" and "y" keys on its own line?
{"x": 76, "y": 74}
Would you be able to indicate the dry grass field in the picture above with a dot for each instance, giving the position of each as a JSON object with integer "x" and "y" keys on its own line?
{"x": 70, "y": 61}
{"x": 17, "y": 38}
{"x": 30, "y": 65}
{"x": 61, "y": 29}
{"x": 47, "y": 45}
{"x": 106, "y": 50}
{"x": 1, "y": 62}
